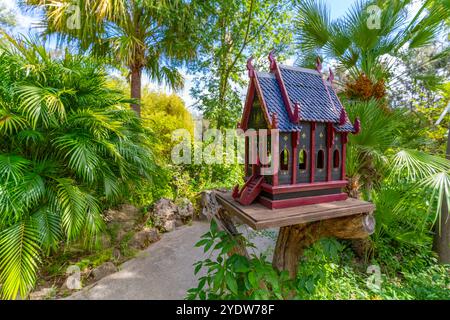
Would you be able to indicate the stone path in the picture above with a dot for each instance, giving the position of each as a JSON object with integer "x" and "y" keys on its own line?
{"x": 164, "y": 270}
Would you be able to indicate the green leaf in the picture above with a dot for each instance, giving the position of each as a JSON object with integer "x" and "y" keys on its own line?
{"x": 241, "y": 264}
{"x": 197, "y": 268}
{"x": 231, "y": 283}
{"x": 19, "y": 257}
{"x": 218, "y": 278}
{"x": 12, "y": 167}
{"x": 252, "y": 279}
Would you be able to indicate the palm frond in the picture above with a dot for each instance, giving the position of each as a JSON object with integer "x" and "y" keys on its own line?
{"x": 415, "y": 165}
{"x": 439, "y": 183}
{"x": 80, "y": 152}
{"x": 19, "y": 258}
{"x": 312, "y": 25}
{"x": 10, "y": 122}
{"x": 29, "y": 191}
{"x": 48, "y": 225}
{"x": 12, "y": 167}
{"x": 72, "y": 203}
{"x": 39, "y": 103}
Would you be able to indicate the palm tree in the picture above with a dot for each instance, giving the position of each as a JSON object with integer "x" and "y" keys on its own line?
{"x": 385, "y": 165}
{"x": 140, "y": 35}
{"x": 365, "y": 51}
{"x": 68, "y": 146}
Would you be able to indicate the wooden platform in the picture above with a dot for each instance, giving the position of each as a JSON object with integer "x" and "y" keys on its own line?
{"x": 259, "y": 217}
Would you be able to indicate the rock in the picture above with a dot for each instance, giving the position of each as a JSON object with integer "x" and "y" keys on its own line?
{"x": 143, "y": 238}
{"x": 116, "y": 254}
{"x": 178, "y": 223}
{"x": 165, "y": 209}
{"x": 126, "y": 215}
{"x": 104, "y": 270}
{"x": 185, "y": 211}
{"x": 105, "y": 240}
{"x": 167, "y": 215}
{"x": 169, "y": 225}
{"x": 164, "y": 214}
{"x": 43, "y": 294}
{"x": 121, "y": 233}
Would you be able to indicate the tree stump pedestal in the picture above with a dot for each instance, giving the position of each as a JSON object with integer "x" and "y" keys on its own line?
{"x": 299, "y": 227}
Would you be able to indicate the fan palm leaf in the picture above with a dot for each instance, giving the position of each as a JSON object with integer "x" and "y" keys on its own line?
{"x": 358, "y": 47}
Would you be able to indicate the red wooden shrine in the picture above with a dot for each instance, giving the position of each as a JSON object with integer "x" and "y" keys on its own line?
{"x": 308, "y": 153}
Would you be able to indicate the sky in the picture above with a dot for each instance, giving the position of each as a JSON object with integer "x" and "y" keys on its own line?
{"x": 26, "y": 20}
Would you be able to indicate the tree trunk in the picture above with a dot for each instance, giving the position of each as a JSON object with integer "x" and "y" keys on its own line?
{"x": 363, "y": 248}
{"x": 213, "y": 210}
{"x": 136, "y": 77}
{"x": 441, "y": 241}
{"x": 293, "y": 240}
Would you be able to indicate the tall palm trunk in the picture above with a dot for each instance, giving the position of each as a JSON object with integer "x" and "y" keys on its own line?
{"x": 441, "y": 241}
{"x": 136, "y": 78}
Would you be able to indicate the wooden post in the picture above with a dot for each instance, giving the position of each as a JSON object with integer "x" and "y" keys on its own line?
{"x": 329, "y": 149}
{"x": 344, "y": 140}
{"x": 293, "y": 240}
{"x": 212, "y": 210}
{"x": 294, "y": 141}
{"x": 313, "y": 151}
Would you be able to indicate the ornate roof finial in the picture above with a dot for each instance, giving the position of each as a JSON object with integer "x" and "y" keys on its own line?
{"x": 342, "y": 117}
{"x": 318, "y": 64}
{"x": 250, "y": 68}
{"x": 357, "y": 126}
{"x": 331, "y": 76}
{"x": 274, "y": 121}
{"x": 273, "y": 61}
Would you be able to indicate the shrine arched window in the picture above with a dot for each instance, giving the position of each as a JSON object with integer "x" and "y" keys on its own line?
{"x": 336, "y": 159}
{"x": 320, "y": 159}
{"x": 302, "y": 159}
{"x": 284, "y": 160}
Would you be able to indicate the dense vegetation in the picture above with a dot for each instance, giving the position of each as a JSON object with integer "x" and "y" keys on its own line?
{"x": 70, "y": 147}
{"x": 329, "y": 270}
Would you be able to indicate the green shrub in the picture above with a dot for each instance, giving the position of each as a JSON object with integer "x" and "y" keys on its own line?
{"x": 68, "y": 146}
{"x": 327, "y": 270}
{"x": 236, "y": 277}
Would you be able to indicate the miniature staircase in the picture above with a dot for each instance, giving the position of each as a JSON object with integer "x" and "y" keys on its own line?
{"x": 250, "y": 191}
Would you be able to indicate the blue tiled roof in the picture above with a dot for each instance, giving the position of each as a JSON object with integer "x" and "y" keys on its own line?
{"x": 318, "y": 103}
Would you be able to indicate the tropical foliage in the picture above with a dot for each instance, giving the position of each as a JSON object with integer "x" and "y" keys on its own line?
{"x": 384, "y": 162}
{"x": 67, "y": 147}
{"x": 365, "y": 42}
{"x": 70, "y": 148}
{"x": 329, "y": 270}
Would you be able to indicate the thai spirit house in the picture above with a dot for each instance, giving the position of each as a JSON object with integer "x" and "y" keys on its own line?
{"x": 309, "y": 162}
